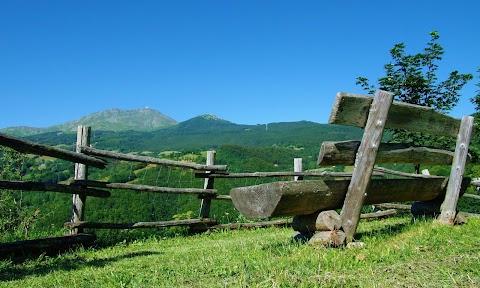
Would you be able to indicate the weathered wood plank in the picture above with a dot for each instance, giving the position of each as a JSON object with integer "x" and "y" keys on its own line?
{"x": 41, "y": 186}
{"x": 364, "y": 163}
{"x": 475, "y": 182}
{"x": 234, "y": 226}
{"x": 393, "y": 206}
{"x": 159, "y": 224}
{"x": 353, "y": 109}
{"x": 44, "y": 244}
{"x": 151, "y": 160}
{"x": 290, "y": 198}
{"x": 25, "y": 146}
{"x": 399, "y": 173}
{"x": 449, "y": 209}
{"x": 144, "y": 188}
{"x": 471, "y": 196}
{"x": 378, "y": 214}
{"x": 324, "y": 174}
{"x": 343, "y": 153}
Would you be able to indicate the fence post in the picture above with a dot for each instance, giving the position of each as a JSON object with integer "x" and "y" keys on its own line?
{"x": 206, "y": 203}
{"x": 81, "y": 171}
{"x": 297, "y": 167}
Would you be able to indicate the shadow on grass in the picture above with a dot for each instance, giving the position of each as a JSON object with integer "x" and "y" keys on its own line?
{"x": 64, "y": 263}
{"x": 383, "y": 229}
{"x": 392, "y": 230}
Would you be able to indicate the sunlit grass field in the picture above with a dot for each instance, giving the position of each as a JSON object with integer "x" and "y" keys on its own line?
{"x": 397, "y": 253}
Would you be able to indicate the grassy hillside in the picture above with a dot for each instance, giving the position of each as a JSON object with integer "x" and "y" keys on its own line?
{"x": 396, "y": 254}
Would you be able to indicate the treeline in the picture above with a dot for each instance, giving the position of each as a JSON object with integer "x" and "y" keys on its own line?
{"x": 205, "y": 134}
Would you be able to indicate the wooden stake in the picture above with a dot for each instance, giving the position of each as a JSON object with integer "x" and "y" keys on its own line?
{"x": 206, "y": 203}
{"x": 297, "y": 167}
{"x": 81, "y": 171}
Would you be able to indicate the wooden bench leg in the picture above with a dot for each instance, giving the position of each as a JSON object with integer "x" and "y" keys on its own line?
{"x": 449, "y": 209}
{"x": 365, "y": 162}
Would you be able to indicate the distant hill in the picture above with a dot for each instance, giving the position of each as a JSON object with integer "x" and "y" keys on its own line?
{"x": 145, "y": 119}
{"x": 210, "y": 132}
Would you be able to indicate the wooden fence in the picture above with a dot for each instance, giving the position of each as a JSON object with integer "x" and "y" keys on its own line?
{"x": 81, "y": 187}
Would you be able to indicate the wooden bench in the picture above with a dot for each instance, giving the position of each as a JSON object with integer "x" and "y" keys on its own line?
{"x": 380, "y": 112}
{"x": 374, "y": 114}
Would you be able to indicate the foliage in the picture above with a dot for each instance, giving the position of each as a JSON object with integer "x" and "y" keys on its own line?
{"x": 15, "y": 217}
{"x": 412, "y": 78}
{"x": 476, "y": 99}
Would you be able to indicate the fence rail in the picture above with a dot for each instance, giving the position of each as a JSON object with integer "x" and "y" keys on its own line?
{"x": 150, "y": 160}
{"x": 53, "y": 187}
{"x": 25, "y": 146}
{"x": 145, "y": 188}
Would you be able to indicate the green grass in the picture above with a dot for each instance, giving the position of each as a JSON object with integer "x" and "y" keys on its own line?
{"x": 397, "y": 254}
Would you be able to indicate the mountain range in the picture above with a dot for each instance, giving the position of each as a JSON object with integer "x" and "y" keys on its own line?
{"x": 149, "y": 130}
{"x": 144, "y": 119}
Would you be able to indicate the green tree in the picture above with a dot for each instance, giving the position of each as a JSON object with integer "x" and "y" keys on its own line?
{"x": 14, "y": 216}
{"x": 413, "y": 79}
{"x": 476, "y": 99}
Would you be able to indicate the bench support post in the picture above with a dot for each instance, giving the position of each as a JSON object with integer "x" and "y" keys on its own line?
{"x": 449, "y": 209}
{"x": 364, "y": 162}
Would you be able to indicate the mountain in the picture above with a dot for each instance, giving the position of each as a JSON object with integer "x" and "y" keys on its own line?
{"x": 204, "y": 124}
{"x": 210, "y": 132}
{"x": 144, "y": 119}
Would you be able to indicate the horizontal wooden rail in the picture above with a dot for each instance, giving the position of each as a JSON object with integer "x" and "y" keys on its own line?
{"x": 41, "y": 186}
{"x": 25, "y": 146}
{"x": 409, "y": 175}
{"x": 344, "y": 153}
{"x": 352, "y": 110}
{"x": 44, "y": 244}
{"x": 378, "y": 214}
{"x": 160, "y": 224}
{"x": 473, "y": 196}
{"x": 151, "y": 160}
{"x": 233, "y": 226}
{"x": 278, "y": 174}
{"x": 475, "y": 182}
{"x": 145, "y": 188}
{"x": 393, "y": 206}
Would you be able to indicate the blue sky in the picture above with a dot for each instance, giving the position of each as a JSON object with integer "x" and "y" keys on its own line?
{"x": 249, "y": 62}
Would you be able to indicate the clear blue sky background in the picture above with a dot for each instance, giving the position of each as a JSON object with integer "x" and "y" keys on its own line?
{"x": 248, "y": 62}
